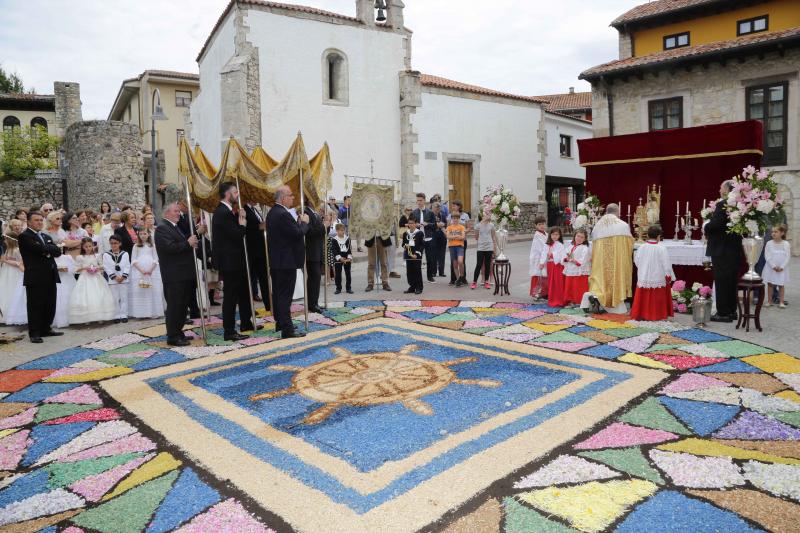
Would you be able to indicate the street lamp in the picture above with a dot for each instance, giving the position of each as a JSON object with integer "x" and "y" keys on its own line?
{"x": 158, "y": 114}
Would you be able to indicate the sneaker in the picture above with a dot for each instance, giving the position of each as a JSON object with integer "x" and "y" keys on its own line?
{"x": 768, "y": 304}
{"x": 487, "y": 285}
{"x": 782, "y": 305}
{"x": 473, "y": 286}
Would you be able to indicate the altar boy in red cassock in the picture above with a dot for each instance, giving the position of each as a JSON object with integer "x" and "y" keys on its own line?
{"x": 653, "y": 298}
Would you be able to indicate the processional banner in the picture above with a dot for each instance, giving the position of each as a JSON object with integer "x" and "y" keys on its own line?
{"x": 372, "y": 210}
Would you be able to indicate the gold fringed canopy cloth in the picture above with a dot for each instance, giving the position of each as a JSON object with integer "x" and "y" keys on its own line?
{"x": 259, "y": 174}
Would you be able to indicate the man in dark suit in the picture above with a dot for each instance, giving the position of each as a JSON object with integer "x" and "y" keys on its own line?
{"x": 315, "y": 249}
{"x": 228, "y": 229}
{"x": 427, "y": 223}
{"x": 725, "y": 250}
{"x": 286, "y": 255}
{"x": 257, "y": 252}
{"x": 40, "y": 277}
{"x": 186, "y": 228}
{"x": 176, "y": 258}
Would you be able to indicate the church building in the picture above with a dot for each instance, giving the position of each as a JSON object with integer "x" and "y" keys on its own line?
{"x": 270, "y": 69}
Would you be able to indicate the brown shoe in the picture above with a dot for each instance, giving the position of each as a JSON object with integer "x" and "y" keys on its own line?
{"x": 369, "y": 288}
{"x": 386, "y": 287}
{"x": 394, "y": 275}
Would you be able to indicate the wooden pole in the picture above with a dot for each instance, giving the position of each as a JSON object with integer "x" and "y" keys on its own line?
{"x": 305, "y": 274}
{"x": 325, "y": 248}
{"x": 266, "y": 250}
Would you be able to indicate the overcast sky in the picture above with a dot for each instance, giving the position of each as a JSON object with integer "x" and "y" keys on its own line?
{"x": 527, "y": 47}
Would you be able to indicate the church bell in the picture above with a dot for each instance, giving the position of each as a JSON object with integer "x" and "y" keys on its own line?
{"x": 380, "y": 5}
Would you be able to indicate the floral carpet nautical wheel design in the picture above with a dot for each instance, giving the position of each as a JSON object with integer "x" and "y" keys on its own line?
{"x": 714, "y": 447}
{"x": 370, "y": 379}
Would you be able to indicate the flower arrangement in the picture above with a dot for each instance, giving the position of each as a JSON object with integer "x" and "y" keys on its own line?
{"x": 706, "y": 212}
{"x": 683, "y": 296}
{"x": 501, "y": 206}
{"x": 587, "y": 212}
{"x": 753, "y": 203}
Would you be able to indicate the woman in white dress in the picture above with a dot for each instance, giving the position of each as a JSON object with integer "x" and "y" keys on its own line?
{"x": 13, "y": 303}
{"x": 91, "y": 299}
{"x": 146, "y": 295}
{"x": 776, "y": 270}
{"x": 66, "y": 273}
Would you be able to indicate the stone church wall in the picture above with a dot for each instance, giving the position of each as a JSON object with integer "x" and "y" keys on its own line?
{"x": 104, "y": 163}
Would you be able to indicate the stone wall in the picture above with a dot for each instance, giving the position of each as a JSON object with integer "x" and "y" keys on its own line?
{"x": 529, "y": 213}
{"x": 104, "y": 163}
{"x": 27, "y": 193}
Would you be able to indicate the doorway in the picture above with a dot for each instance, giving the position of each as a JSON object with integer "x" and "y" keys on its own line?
{"x": 459, "y": 179}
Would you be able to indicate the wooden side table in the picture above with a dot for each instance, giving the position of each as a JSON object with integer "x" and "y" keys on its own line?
{"x": 502, "y": 273}
{"x": 749, "y": 292}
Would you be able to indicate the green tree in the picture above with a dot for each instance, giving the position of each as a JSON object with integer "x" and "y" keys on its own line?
{"x": 25, "y": 150}
{"x": 10, "y": 83}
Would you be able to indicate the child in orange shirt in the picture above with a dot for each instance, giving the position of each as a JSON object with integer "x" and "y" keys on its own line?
{"x": 456, "y": 234}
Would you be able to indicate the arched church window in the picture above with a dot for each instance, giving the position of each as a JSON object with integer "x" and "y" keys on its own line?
{"x": 39, "y": 121}
{"x": 335, "y": 86}
{"x": 10, "y": 122}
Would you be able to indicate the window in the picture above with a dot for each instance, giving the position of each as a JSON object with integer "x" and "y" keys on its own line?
{"x": 678, "y": 40}
{"x": 10, "y": 122}
{"x": 39, "y": 121}
{"x": 335, "y": 78}
{"x": 767, "y": 103}
{"x": 183, "y": 98}
{"x": 665, "y": 114}
{"x": 178, "y": 135}
{"x": 566, "y": 146}
{"x": 753, "y": 25}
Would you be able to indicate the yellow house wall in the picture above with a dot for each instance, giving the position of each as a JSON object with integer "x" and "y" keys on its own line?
{"x": 166, "y": 137}
{"x": 25, "y": 118}
{"x": 783, "y": 14}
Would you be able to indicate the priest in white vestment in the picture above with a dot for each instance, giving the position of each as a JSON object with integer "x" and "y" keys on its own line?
{"x": 612, "y": 263}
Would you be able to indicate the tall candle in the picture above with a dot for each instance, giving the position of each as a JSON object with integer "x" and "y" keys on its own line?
{"x": 629, "y": 210}
{"x": 704, "y": 203}
{"x": 687, "y": 207}
{"x": 677, "y": 207}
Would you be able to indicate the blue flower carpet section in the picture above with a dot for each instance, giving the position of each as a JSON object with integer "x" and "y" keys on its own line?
{"x": 714, "y": 448}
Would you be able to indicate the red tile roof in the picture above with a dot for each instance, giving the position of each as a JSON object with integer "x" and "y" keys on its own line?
{"x": 660, "y": 8}
{"x": 444, "y": 83}
{"x": 27, "y": 97}
{"x": 699, "y": 52}
{"x": 278, "y": 5}
{"x": 166, "y": 74}
{"x": 567, "y": 101}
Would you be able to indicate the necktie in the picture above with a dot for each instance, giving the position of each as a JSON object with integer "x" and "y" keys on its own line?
{"x": 41, "y": 237}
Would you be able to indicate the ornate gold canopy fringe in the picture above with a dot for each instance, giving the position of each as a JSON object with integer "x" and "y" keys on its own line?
{"x": 259, "y": 174}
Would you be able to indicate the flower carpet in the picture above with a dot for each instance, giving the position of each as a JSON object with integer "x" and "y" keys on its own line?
{"x": 493, "y": 417}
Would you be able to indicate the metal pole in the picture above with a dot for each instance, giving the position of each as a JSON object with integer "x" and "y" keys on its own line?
{"x": 205, "y": 261}
{"x": 153, "y": 163}
{"x": 247, "y": 265}
{"x": 266, "y": 251}
{"x": 194, "y": 260}
{"x": 305, "y": 274}
{"x": 325, "y": 249}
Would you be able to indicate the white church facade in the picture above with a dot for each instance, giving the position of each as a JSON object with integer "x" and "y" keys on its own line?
{"x": 269, "y": 70}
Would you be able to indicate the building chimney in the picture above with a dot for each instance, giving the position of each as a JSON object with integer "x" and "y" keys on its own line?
{"x": 394, "y": 14}
{"x": 572, "y": 90}
{"x": 68, "y": 105}
{"x": 365, "y": 12}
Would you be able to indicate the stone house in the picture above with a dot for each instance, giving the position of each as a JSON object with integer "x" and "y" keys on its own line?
{"x": 689, "y": 63}
{"x": 350, "y": 81}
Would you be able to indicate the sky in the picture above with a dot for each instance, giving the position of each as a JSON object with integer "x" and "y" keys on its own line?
{"x": 530, "y": 47}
